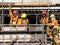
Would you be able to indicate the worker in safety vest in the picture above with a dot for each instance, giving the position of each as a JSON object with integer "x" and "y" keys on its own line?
{"x": 53, "y": 26}
{"x": 44, "y": 19}
{"x": 13, "y": 15}
{"x": 23, "y": 19}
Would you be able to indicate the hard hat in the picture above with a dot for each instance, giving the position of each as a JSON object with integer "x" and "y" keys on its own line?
{"x": 23, "y": 15}
{"x": 52, "y": 15}
{"x": 14, "y": 11}
{"x": 44, "y": 12}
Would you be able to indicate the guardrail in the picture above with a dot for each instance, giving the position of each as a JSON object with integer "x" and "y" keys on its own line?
{"x": 32, "y": 33}
{"x": 20, "y": 34}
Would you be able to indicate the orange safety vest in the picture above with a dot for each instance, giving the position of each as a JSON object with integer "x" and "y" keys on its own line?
{"x": 55, "y": 22}
{"x": 21, "y": 21}
{"x": 44, "y": 20}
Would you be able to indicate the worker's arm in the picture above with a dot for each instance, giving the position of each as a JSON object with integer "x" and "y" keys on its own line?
{"x": 27, "y": 21}
{"x": 10, "y": 12}
{"x": 52, "y": 23}
{"x": 10, "y": 20}
{"x": 55, "y": 22}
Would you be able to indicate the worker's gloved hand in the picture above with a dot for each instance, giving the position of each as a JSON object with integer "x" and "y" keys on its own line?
{"x": 50, "y": 30}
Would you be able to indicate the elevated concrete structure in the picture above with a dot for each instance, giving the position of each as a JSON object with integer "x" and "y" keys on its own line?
{"x": 26, "y": 3}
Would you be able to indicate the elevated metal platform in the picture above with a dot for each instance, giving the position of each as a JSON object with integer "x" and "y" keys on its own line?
{"x": 21, "y": 34}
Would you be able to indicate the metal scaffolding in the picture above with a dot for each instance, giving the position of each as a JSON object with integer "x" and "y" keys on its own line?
{"x": 2, "y": 12}
{"x": 35, "y": 30}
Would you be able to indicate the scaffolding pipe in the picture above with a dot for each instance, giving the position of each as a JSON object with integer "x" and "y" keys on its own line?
{"x": 3, "y": 22}
{"x": 22, "y": 7}
{"x": 2, "y": 12}
{"x": 48, "y": 17}
{"x": 48, "y": 10}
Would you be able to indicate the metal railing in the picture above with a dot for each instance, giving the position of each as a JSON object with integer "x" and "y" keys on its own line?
{"x": 34, "y": 34}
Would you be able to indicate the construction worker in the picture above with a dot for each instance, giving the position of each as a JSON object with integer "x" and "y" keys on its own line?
{"x": 23, "y": 19}
{"x": 53, "y": 26}
{"x": 53, "y": 20}
{"x": 13, "y": 16}
{"x": 44, "y": 19}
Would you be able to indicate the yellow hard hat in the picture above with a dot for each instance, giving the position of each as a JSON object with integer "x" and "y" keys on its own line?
{"x": 52, "y": 15}
{"x": 23, "y": 15}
